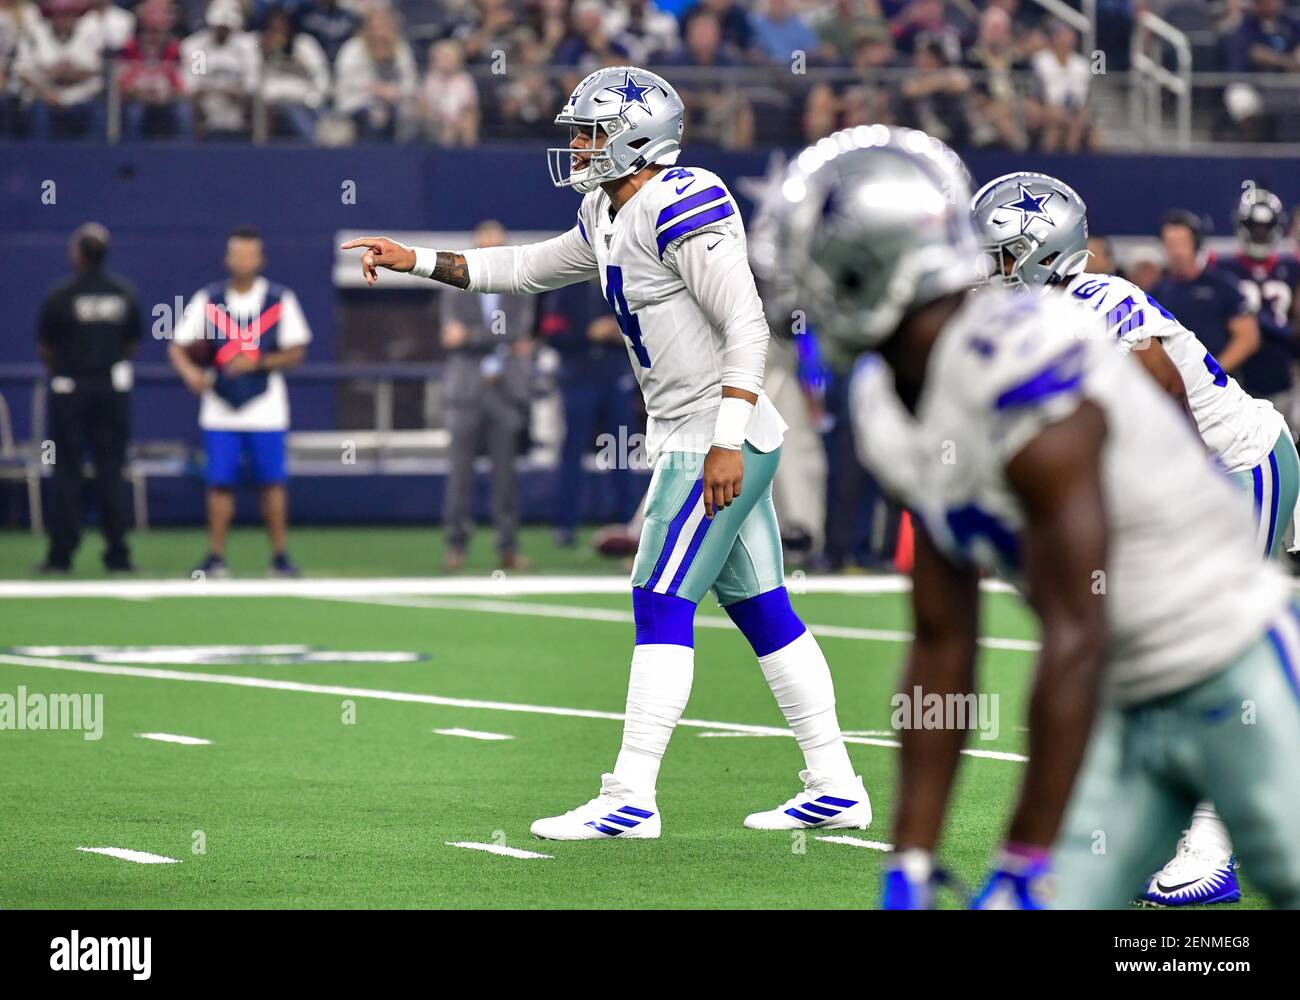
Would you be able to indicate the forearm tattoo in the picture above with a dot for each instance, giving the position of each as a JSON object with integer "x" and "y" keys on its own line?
{"x": 450, "y": 268}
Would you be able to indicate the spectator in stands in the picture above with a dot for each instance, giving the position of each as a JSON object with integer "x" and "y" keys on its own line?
{"x": 588, "y": 46}
{"x": 486, "y": 394}
{"x": 781, "y": 30}
{"x": 549, "y": 23}
{"x": 864, "y": 104}
{"x": 449, "y": 97}
{"x": 995, "y": 56}
{"x": 715, "y": 113}
{"x": 490, "y": 30}
{"x": 646, "y": 32}
{"x": 329, "y": 23}
{"x": 926, "y": 21}
{"x": 936, "y": 95}
{"x": 597, "y": 390}
{"x": 231, "y": 348}
{"x": 18, "y": 18}
{"x": 152, "y": 89}
{"x": 221, "y": 65}
{"x": 1064, "y": 77}
{"x": 843, "y": 23}
{"x": 1145, "y": 268}
{"x": 527, "y": 98}
{"x": 376, "y": 78}
{"x": 1267, "y": 41}
{"x": 1206, "y": 300}
{"x": 60, "y": 66}
{"x": 736, "y": 31}
{"x": 116, "y": 26}
{"x": 295, "y": 77}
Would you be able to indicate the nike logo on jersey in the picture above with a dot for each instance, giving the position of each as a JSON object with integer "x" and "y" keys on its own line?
{"x": 714, "y": 245}
{"x": 684, "y": 186}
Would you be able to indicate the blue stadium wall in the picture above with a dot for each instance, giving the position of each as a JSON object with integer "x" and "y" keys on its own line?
{"x": 170, "y": 207}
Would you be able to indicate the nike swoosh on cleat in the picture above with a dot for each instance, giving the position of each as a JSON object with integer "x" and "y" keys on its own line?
{"x": 1174, "y": 888}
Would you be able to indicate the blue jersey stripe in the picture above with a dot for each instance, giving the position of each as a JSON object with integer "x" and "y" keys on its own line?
{"x": 675, "y": 529}
{"x": 689, "y": 203}
{"x": 1272, "y": 514}
{"x": 1062, "y": 375}
{"x": 691, "y": 551}
{"x": 694, "y": 222}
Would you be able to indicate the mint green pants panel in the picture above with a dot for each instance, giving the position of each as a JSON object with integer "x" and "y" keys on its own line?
{"x": 682, "y": 553}
{"x": 1233, "y": 739}
{"x": 1274, "y": 486}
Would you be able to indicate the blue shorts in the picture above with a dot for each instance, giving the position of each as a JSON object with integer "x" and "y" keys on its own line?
{"x": 226, "y": 450}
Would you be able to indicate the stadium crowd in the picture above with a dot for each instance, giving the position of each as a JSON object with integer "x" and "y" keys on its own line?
{"x": 973, "y": 72}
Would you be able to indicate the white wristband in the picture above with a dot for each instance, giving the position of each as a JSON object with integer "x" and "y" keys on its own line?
{"x": 733, "y": 421}
{"x": 425, "y": 261}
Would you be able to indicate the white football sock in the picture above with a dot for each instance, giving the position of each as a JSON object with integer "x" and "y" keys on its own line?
{"x": 1208, "y": 833}
{"x": 801, "y": 681}
{"x": 657, "y": 691}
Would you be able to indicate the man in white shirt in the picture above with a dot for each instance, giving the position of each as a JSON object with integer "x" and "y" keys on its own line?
{"x": 230, "y": 348}
{"x": 221, "y": 64}
{"x": 60, "y": 67}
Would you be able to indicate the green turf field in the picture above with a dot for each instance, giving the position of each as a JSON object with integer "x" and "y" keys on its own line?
{"x": 326, "y": 785}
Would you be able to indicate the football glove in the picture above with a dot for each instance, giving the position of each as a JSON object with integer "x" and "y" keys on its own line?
{"x": 1019, "y": 882}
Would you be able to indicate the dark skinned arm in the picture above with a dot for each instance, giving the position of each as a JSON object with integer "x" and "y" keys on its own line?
{"x": 1057, "y": 479}
{"x": 945, "y": 608}
{"x": 1160, "y": 366}
{"x": 724, "y": 468}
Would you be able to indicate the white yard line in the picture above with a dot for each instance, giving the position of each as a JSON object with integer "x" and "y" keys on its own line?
{"x": 343, "y": 691}
{"x": 510, "y": 852}
{"x": 473, "y": 734}
{"x": 579, "y": 613}
{"x": 189, "y": 741}
{"x": 139, "y": 857}
{"x": 874, "y": 845}
{"x": 502, "y": 585}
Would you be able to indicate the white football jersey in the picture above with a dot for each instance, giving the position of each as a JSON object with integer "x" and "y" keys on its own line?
{"x": 1185, "y": 588}
{"x": 1239, "y": 429}
{"x": 675, "y": 351}
{"x": 674, "y": 268}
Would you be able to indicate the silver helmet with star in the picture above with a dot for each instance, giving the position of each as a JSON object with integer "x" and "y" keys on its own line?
{"x": 872, "y": 223}
{"x": 1034, "y": 228}
{"x": 639, "y": 116}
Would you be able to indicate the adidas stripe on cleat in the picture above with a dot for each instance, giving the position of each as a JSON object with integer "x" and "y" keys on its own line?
{"x": 822, "y": 805}
{"x": 617, "y": 812}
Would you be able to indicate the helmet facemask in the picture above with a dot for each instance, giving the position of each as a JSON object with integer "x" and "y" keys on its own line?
{"x": 584, "y": 168}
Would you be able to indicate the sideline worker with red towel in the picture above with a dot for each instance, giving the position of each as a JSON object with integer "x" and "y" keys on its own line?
{"x": 230, "y": 348}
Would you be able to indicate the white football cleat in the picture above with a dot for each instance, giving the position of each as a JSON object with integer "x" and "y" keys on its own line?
{"x": 823, "y": 805}
{"x": 1198, "y": 875}
{"x": 617, "y": 811}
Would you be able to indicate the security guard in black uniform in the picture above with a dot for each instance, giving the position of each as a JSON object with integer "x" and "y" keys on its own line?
{"x": 89, "y": 329}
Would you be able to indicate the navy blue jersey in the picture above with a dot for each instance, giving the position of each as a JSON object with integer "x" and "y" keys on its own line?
{"x": 1268, "y": 286}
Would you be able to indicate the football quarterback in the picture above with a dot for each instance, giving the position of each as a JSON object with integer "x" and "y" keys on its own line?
{"x": 668, "y": 245}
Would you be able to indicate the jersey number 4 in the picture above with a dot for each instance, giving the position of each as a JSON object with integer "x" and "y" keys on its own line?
{"x": 627, "y": 321}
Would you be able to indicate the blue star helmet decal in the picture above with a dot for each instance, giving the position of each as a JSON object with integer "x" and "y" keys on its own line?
{"x": 632, "y": 93}
{"x": 1030, "y": 207}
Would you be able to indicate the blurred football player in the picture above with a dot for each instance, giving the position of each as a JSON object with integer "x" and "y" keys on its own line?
{"x": 1023, "y": 443}
{"x": 1268, "y": 276}
{"x": 669, "y": 248}
{"x": 1036, "y": 229}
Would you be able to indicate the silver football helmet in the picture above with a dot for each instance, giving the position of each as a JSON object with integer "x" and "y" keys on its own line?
{"x": 1261, "y": 222}
{"x": 873, "y": 222}
{"x": 639, "y": 116}
{"x": 1034, "y": 227}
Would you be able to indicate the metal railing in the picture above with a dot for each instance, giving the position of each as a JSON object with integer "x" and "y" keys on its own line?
{"x": 1151, "y": 80}
{"x": 1082, "y": 20}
